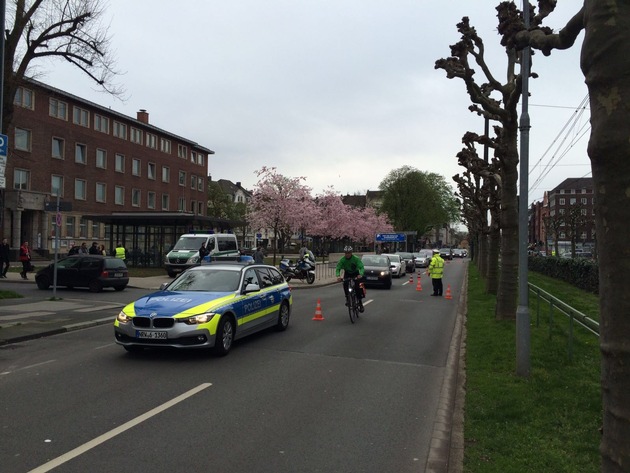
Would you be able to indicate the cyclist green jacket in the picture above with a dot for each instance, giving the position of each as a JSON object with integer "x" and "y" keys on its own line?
{"x": 352, "y": 266}
{"x": 436, "y": 267}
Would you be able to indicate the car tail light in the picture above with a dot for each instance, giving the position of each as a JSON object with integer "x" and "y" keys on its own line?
{"x": 105, "y": 274}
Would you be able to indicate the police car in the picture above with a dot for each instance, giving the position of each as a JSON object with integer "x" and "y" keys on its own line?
{"x": 208, "y": 306}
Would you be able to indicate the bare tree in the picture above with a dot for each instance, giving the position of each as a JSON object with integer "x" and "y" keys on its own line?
{"x": 64, "y": 29}
{"x": 605, "y": 63}
{"x": 495, "y": 101}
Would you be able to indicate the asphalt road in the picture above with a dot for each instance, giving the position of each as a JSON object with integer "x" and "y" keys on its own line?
{"x": 324, "y": 396}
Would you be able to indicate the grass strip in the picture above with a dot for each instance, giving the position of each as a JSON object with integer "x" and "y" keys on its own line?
{"x": 548, "y": 422}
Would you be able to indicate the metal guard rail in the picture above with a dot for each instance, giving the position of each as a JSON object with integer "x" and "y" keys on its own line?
{"x": 582, "y": 319}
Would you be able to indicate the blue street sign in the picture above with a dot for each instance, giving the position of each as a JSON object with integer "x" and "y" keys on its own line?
{"x": 4, "y": 145}
{"x": 390, "y": 237}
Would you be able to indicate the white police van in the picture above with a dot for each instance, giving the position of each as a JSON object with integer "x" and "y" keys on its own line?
{"x": 185, "y": 253}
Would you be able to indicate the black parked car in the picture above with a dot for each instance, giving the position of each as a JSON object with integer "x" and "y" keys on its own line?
{"x": 92, "y": 271}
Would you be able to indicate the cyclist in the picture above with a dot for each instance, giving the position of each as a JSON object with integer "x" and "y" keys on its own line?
{"x": 352, "y": 268}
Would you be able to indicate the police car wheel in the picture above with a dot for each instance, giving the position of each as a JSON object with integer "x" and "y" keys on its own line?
{"x": 224, "y": 337}
{"x": 283, "y": 317}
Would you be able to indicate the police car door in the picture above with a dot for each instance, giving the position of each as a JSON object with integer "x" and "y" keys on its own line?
{"x": 252, "y": 305}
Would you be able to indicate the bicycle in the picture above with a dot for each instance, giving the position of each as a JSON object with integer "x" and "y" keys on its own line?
{"x": 352, "y": 301}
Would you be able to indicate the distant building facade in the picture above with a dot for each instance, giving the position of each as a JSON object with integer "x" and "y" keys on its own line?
{"x": 117, "y": 178}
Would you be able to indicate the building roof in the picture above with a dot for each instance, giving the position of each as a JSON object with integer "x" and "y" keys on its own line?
{"x": 140, "y": 124}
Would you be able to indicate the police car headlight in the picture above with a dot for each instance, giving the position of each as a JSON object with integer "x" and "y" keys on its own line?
{"x": 199, "y": 319}
{"x": 123, "y": 318}
{"x": 193, "y": 259}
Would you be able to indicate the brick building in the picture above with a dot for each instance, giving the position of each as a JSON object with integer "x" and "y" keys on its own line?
{"x": 117, "y": 178}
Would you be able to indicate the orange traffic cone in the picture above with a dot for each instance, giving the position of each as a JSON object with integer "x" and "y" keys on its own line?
{"x": 419, "y": 286}
{"x": 448, "y": 292}
{"x": 318, "y": 311}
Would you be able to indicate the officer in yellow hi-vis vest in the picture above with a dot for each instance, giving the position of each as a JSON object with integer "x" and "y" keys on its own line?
{"x": 121, "y": 252}
{"x": 436, "y": 271}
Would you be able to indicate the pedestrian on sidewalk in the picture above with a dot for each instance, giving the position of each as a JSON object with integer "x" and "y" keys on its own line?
{"x": 5, "y": 256}
{"x": 25, "y": 258}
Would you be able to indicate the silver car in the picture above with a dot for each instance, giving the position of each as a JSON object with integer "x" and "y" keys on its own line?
{"x": 397, "y": 265}
{"x": 423, "y": 258}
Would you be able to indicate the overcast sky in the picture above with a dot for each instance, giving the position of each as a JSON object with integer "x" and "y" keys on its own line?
{"x": 339, "y": 91}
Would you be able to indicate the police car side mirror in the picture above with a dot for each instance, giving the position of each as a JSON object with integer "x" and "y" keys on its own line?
{"x": 252, "y": 288}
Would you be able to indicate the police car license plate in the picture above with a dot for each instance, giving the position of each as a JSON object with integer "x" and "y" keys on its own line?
{"x": 151, "y": 335}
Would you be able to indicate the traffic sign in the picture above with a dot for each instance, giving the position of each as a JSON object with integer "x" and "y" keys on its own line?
{"x": 391, "y": 237}
{"x": 4, "y": 144}
{"x": 58, "y": 219}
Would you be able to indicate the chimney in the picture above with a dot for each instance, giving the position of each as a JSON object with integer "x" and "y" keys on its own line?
{"x": 238, "y": 184}
{"x": 143, "y": 116}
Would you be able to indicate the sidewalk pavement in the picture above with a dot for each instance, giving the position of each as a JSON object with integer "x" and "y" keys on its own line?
{"x": 34, "y": 317}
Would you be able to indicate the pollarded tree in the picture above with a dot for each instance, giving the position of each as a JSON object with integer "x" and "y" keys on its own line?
{"x": 276, "y": 200}
{"x": 498, "y": 102}
{"x": 64, "y": 29}
{"x": 605, "y": 63}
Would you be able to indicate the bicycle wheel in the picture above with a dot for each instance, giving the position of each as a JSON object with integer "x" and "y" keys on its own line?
{"x": 352, "y": 309}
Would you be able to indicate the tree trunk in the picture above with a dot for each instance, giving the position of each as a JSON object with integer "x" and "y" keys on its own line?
{"x": 507, "y": 293}
{"x": 494, "y": 248}
{"x": 606, "y": 66}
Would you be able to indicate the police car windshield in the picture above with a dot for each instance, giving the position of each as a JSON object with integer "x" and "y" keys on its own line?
{"x": 207, "y": 280}
{"x": 189, "y": 243}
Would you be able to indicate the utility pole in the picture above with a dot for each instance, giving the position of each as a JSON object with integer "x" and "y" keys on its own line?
{"x": 523, "y": 343}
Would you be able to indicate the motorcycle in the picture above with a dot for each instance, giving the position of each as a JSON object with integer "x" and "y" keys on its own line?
{"x": 302, "y": 270}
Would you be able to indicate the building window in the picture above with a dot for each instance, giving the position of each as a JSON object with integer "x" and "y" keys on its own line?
{"x": 165, "y": 145}
{"x": 58, "y": 148}
{"x": 22, "y": 139}
{"x": 193, "y": 157}
{"x": 80, "y": 153}
{"x": 58, "y": 109}
{"x": 80, "y": 189}
{"x": 136, "y": 136}
{"x": 151, "y": 200}
{"x": 182, "y": 151}
{"x": 182, "y": 178}
{"x": 96, "y": 229}
{"x": 151, "y": 171}
{"x": 56, "y": 186}
{"x": 101, "y": 123}
{"x": 101, "y": 192}
{"x": 120, "y": 130}
{"x": 200, "y": 159}
{"x": 101, "y": 158}
{"x": 70, "y": 226}
{"x": 573, "y": 200}
{"x": 193, "y": 182}
{"x": 81, "y": 117}
{"x": 583, "y": 211}
{"x": 83, "y": 226}
{"x": 561, "y": 211}
{"x": 24, "y": 98}
{"x": 21, "y": 178}
{"x": 135, "y": 167}
{"x": 135, "y": 197}
{"x": 200, "y": 208}
{"x": 166, "y": 174}
{"x": 119, "y": 195}
{"x": 151, "y": 141}
{"x": 120, "y": 162}
{"x": 165, "y": 201}
{"x": 200, "y": 184}
{"x": 561, "y": 201}
{"x": 181, "y": 204}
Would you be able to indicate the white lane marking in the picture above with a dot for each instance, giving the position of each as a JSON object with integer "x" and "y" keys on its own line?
{"x": 28, "y": 367}
{"x": 105, "y": 346}
{"x": 99, "y": 307}
{"x": 118, "y": 430}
